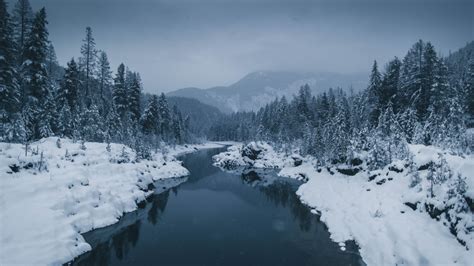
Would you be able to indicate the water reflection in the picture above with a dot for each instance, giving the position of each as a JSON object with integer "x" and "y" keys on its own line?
{"x": 217, "y": 218}
{"x": 124, "y": 235}
{"x": 281, "y": 192}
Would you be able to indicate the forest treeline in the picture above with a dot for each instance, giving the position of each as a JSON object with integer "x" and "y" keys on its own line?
{"x": 421, "y": 99}
{"x": 84, "y": 101}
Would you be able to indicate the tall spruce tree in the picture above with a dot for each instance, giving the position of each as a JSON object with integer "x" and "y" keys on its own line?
{"x": 165, "y": 117}
{"x": 35, "y": 76}
{"x": 429, "y": 65}
{"x": 104, "y": 77}
{"x": 133, "y": 93}
{"x": 373, "y": 94}
{"x": 22, "y": 21}
{"x": 410, "y": 75}
{"x": 150, "y": 118}
{"x": 389, "y": 84}
{"x": 11, "y": 128}
{"x": 88, "y": 64}
{"x": 120, "y": 93}
{"x": 68, "y": 92}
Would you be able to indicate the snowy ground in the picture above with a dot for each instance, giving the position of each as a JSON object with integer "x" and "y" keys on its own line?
{"x": 373, "y": 213}
{"x": 52, "y": 195}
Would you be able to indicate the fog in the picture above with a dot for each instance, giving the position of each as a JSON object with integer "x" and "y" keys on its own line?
{"x": 175, "y": 44}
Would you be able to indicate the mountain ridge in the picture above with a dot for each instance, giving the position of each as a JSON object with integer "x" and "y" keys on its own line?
{"x": 258, "y": 88}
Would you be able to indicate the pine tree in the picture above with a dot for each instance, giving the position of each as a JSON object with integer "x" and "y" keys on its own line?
{"x": 134, "y": 93}
{"x": 165, "y": 117}
{"x": 389, "y": 84}
{"x": 91, "y": 124}
{"x": 113, "y": 125}
{"x": 88, "y": 63}
{"x": 23, "y": 19}
{"x": 105, "y": 81}
{"x": 373, "y": 94}
{"x": 421, "y": 101}
{"x": 9, "y": 88}
{"x": 178, "y": 127}
{"x": 68, "y": 92}
{"x": 150, "y": 117}
{"x": 440, "y": 89}
{"x": 410, "y": 75}
{"x": 407, "y": 121}
{"x": 120, "y": 93}
{"x": 35, "y": 75}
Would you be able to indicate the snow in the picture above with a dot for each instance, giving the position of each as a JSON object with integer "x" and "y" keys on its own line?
{"x": 233, "y": 157}
{"x": 464, "y": 165}
{"x": 387, "y": 231}
{"x": 59, "y": 193}
{"x": 373, "y": 213}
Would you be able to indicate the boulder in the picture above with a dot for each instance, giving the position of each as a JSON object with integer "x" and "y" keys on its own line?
{"x": 297, "y": 160}
{"x": 251, "y": 151}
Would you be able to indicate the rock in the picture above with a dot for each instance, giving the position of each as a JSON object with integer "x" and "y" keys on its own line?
{"x": 297, "y": 160}
{"x": 251, "y": 151}
{"x": 372, "y": 177}
{"x": 393, "y": 168}
{"x": 425, "y": 166}
{"x": 356, "y": 162}
{"x": 15, "y": 168}
{"x": 348, "y": 171}
{"x": 411, "y": 205}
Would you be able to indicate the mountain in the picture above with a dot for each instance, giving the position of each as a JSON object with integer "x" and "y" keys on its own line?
{"x": 202, "y": 116}
{"x": 258, "y": 88}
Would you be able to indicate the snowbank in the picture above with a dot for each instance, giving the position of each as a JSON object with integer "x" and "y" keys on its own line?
{"x": 369, "y": 207}
{"x": 53, "y": 194}
{"x": 254, "y": 154}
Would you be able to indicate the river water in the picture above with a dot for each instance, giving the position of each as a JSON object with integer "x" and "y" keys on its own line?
{"x": 213, "y": 217}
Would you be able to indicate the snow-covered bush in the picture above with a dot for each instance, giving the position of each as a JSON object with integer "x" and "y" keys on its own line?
{"x": 253, "y": 154}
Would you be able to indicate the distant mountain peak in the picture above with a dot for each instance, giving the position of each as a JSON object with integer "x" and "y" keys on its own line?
{"x": 258, "y": 88}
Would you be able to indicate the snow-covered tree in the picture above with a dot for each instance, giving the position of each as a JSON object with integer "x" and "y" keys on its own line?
{"x": 35, "y": 77}
{"x": 120, "y": 93}
{"x": 22, "y": 21}
{"x": 373, "y": 94}
{"x": 88, "y": 63}
{"x": 68, "y": 92}
{"x": 91, "y": 124}
{"x": 10, "y": 95}
{"x": 133, "y": 93}
{"x": 165, "y": 117}
{"x": 104, "y": 77}
{"x": 113, "y": 125}
{"x": 150, "y": 117}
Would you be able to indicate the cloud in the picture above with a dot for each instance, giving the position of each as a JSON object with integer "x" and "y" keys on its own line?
{"x": 176, "y": 44}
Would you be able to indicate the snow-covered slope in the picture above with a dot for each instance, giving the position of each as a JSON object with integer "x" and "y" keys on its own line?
{"x": 53, "y": 194}
{"x": 259, "y": 88}
{"x": 384, "y": 211}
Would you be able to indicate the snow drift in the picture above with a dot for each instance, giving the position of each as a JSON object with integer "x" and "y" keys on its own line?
{"x": 58, "y": 190}
{"x": 400, "y": 214}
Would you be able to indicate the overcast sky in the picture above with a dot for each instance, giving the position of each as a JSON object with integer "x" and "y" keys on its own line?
{"x": 175, "y": 44}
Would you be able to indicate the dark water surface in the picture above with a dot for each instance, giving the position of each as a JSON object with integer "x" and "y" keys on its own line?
{"x": 216, "y": 218}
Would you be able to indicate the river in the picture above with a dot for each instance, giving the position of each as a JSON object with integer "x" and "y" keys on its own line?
{"x": 213, "y": 217}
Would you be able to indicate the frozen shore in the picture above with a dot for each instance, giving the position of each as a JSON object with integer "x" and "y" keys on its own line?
{"x": 373, "y": 207}
{"x": 58, "y": 191}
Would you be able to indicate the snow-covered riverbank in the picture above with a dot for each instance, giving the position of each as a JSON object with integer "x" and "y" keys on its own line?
{"x": 370, "y": 207}
{"x": 57, "y": 191}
